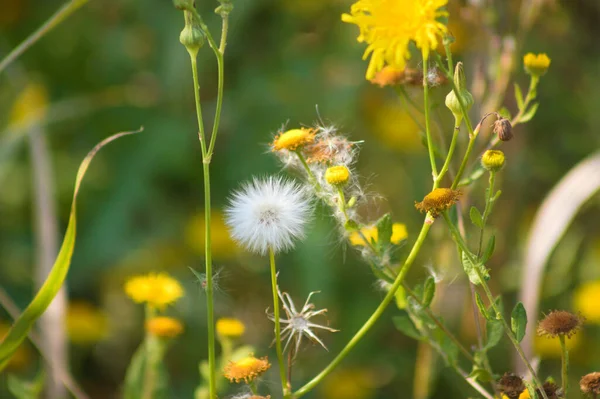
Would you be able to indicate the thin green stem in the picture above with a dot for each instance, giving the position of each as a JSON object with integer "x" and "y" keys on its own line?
{"x": 564, "y": 365}
{"x": 446, "y": 165}
{"x": 486, "y": 211}
{"x": 63, "y": 13}
{"x": 252, "y": 386}
{"x": 342, "y": 201}
{"x": 376, "y": 314}
{"x": 427, "y": 129}
{"x": 448, "y": 54}
{"x": 210, "y": 318}
{"x": 531, "y": 95}
{"x": 464, "y": 162}
{"x": 311, "y": 177}
{"x": 282, "y": 374}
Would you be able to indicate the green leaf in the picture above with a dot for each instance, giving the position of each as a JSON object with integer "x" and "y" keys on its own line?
{"x": 494, "y": 333}
{"x": 518, "y": 321}
{"x": 477, "y": 173}
{"x": 480, "y": 374}
{"x": 22, "y": 389}
{"x": 59, "y": 271}
{"x": 384, "y": 230}
{"x": 482, "y": 308}
{"x": 447, "y": 346}
{"x": 148, "y": 355}
{"x": 519, "y": 97}
{"x": 472, "y": 269}
{"x": 505, "y": 113}
{"x": 405, "y": 325}
{"x": 489, "y": 250}
{"x": 527, "y": 116}
{"x": 400, "y": 297}
{"x": 428, "y": 291}
{"x": 476, "y": 217}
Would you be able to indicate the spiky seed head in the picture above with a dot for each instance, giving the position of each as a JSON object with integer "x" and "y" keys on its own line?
{"x": 560, "y": 322}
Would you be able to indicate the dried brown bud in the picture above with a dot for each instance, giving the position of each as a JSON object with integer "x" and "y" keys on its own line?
{"x": 552, "y": 390}
{"x": 590, "y": 383}
{"x": 438, "y": 201}
{"x": 503, "y": 129}
{"x": 511, "y": 385}
{"x": 560, "y": 322}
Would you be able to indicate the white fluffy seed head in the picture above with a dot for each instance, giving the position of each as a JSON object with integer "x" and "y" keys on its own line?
{"x": 268, "y": 213}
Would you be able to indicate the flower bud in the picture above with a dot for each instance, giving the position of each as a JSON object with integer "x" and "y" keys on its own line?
{"x": 452, "y": 100}
{"x": 536, "y": 65}
{"x": 337, "y": 175}
{"x": 352, "y": 202}
{"x": 183, "y": 4}
{"x": 225, "y": 8}
{"x": 503, "y": 129}
{"x": 493, "y": 160}
{"x": 191, "y": 36}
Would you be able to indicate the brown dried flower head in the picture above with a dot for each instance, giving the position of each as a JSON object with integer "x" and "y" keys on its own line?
{"x": 246, "y": 369}
{"x": 329, "y": 150}
{"x": 511, "y": 385}
{"x": 560, "y": 322}
{"x": 552, "y": 390}
{"x": 503, "y": 129}
{"x": 438, "y": 201}
{"x": 590, "y": 383}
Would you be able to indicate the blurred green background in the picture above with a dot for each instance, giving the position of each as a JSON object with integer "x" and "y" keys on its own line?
{"x": 117, "y": 65}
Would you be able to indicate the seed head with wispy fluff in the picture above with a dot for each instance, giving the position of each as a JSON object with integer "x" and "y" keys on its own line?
{"x": 560, "y": 322}
{"x": 268, "y": 213}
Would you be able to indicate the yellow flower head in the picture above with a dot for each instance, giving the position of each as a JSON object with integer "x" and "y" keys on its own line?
{"x": 493, "y": 160}
{"x": 246, "y": 369}
{"x": 586, "y": 299}
{"x": 232, "y": 328}
{"x": 388, "y": 26}
{"x": 536, "y": 64}
{"x": 156, "y": 289}
{"x": 293, "y": 139}
{"x": 86, "y": 324}
{"x": 399, "y": 233}
{"x": 164, "y": 327}
{"x": 337, "y": 175}
{"x": 438, "y": 201}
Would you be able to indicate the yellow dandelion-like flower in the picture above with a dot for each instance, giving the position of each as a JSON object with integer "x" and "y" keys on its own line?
{"x": 86, "y": 324}
{"x": 164, "y": 327}
{"x": 156, "y": 289}
{"x": 536, "y": 64}
{"x": 438, "y": 201}
{"x": 246, "y": 369}
{"x": 586, "y": 299}
{"x": 388, "y": 26}
{"x": 293, "y": 139}
{"x": 337, "y": 175}
{"x": 229, "y": 327}
{"x": 399, "y": 233}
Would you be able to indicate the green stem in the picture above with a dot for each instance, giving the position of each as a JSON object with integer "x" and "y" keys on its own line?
{"x": 531, "y": 95}
{"x": 464, "y": 162}
{"x": 311, "y": 177}
{"x": 212, "y": 381}
{"x": 446, "y": 165}
{"x": 486, "y": 211}
{"x": 342, "y": 201}
{"x": 282, "y": 374}
{"x": 448, "y": 54}
{"x": 63, "y": 13}
{"x": 376, "y": 314}
{"x": 427, "y": 130}
{"x": 565, "y": 365}
{"x": 463, "y": 247}
{"x": 252, "y": 386}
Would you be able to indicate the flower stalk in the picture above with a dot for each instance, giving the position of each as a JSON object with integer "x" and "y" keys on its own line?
{"x": 282, "y": 374}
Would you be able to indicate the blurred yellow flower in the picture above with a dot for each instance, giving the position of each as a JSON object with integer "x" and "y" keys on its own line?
{"x": 86, "y": 324}
{"x": 536, "y": 64}
{"x": 164, "y": 327}
{"x": 349, "y": 384}
{"x": 222, "y": 245}
{"x": 229, "y": 327}
{"x": 156, "y": 289}
{"x": 22, "y": 356}
{"x": 394, "y": 126}
{"x": 388, "y": 26}
{"x": 586, "y": 299}
{"x": 399, "y": 233}
{"x": 30, "y": 104}
{"x": 550, "y": 347}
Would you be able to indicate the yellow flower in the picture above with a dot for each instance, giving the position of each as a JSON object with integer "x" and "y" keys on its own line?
{"x": 221, "y": 243}
{"x": 31, "y": 104}
{"x": 247, "y": 369}
{"x": 293, "y": 139}
{"x": 550, "y": 348}
{"x": 394, "y": 126}
{"x": 438, "y": 201}
{"x": 337, "y": 175}
{"x": 399, "y": 233}
{"x": 164, "y": 327}
{"x": 229, "y": 327}
{"x": 388, "y": 26}
{"x": 536, "y": 64}
{"x": 156, "y": 289}
{"x": 586, "y": 299}
{"x": 86, "y": 324}
{"x": 523, "y": 395}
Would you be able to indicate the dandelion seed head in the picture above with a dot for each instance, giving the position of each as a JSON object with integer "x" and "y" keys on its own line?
{"x": 268, "y": 213}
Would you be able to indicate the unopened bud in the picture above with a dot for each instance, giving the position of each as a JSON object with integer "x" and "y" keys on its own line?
{"x": 503, "y": 129}
{"x": 225, "y": 8}
{"x": 184, "y": 4}
{"x": 493, "y": 160}
{"x": 337, "y": 175}
{"x": 452, "y": 100}
{"x": 191, "y": 36}
{"x": 352, "y": 202}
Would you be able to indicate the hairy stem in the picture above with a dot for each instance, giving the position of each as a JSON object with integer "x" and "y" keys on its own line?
{"x": 564, "y": 365}
{"x": 434, "y": 171}
{"x": 282, "y": 374}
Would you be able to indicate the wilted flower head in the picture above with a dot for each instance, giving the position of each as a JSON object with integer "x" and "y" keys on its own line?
{"x": 388, "y": 26}
{"x": 297, "y": 324}
{"x": 560, "y": 322}
{"x": 156, "y": 289}
{"x": 268, "y": 214}
{"x": 511, "y": 385}
{"x": 590, "y": 383}
{"x": 330, "y": 148}
{"x": 246, "y": 369}
{"x": 438, "y": 201}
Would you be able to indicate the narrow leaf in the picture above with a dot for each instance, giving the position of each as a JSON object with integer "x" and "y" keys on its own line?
{"x": 405, "y": 325}
{"x": 474, "y": 270}
{"x": 482, "y": 308}
{"x": 428, "y": 291}
{"x": 519, "y": 97}
{"x": 527, "y": 116}
{"x": 22, "y": 389}
{"x": 476, "y": 217}
{"x": 59, "y": 271}
{"x": 494, "y": 333}
{"x": 480, "y": 374}
{"x": 489, "y": 250}
{"x": 384, "y": 230}
{"x": 518, "y": 321}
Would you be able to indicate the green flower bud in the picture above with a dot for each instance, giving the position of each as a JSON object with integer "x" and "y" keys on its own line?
{"x": 493, "y": 160}
{"x": 191, "y": 36}
{"x": 352, "y": 202}
{"x": 224, "y": 9}
{"x": 452, "y": 101}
